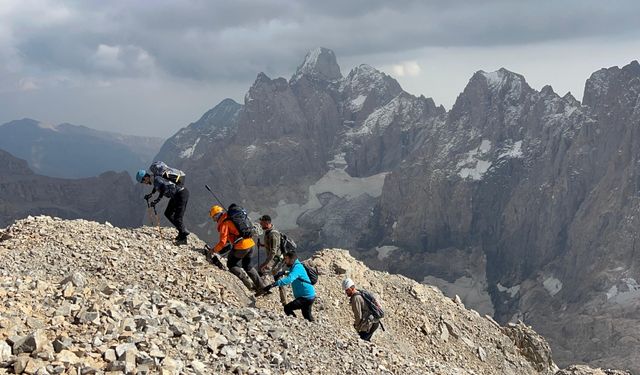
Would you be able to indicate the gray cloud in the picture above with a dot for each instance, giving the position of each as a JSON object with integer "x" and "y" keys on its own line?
{"x": 204, "y": 40}
{"x": 55, "y": 55}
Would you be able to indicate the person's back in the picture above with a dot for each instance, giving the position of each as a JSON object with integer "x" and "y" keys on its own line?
{"x": 363, "y": 318}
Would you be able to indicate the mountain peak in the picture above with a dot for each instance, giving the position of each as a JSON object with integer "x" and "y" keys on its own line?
{"x": 319, "y": 63}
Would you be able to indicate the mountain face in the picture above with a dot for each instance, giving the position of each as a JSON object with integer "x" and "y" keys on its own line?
{"x": 72, "y": 151}
{"x": 107, "y": 197}
{"x": 523, "y": 202}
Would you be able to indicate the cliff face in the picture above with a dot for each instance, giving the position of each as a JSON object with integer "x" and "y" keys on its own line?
{"x": 523, "y": 202}
{"x": 109, "y": 197}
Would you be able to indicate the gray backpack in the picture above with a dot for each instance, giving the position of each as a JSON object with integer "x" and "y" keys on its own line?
{"x": 159, "y": 168}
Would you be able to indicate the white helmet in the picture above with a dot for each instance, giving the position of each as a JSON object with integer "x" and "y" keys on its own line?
{"x": 347, "y": 283}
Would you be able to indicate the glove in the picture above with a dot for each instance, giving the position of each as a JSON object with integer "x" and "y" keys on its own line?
{"x": 278, "y": 275}
{"x": 148, "y": 196}
{"x": 153, "y": 204}
{"x": 268, "y": 287}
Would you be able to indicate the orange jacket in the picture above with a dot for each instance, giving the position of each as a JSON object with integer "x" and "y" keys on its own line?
{"x": 229, "y": 233}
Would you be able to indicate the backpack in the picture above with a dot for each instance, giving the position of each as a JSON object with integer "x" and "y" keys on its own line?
{"x": 312, "y": 272}
{"x": 159, "y": 168}
{"x": 372, "y": 303}
{"x": 240, "y": 219}
{"x": 286, "y": 244}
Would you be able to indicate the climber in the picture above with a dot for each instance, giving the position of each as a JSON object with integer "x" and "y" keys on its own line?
{"x": 240, "y": 249}
{"x": 168, "y": 182}
{"x": 366, "y": 310}
{"x": 274, "y": 263}
{"x": 303, "y": 292}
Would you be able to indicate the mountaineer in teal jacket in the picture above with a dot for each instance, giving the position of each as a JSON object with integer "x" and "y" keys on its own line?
{"x": 303, "y": 291}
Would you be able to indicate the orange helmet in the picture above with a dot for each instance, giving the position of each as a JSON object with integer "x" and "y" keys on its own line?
{"x": 215, "y": 209}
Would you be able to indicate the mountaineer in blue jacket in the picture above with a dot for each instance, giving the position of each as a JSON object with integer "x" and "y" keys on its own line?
{"x": 303, "y": 291}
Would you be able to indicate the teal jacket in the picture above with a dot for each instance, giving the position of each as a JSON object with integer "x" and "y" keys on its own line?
{"x": 299, "y": 281}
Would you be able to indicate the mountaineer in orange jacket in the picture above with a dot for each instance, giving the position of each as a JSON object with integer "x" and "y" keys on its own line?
{"x": 240, "y": 250}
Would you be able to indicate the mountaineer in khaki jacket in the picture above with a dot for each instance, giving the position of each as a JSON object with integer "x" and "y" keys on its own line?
{"x": 361, "y": 312}
{"x": 240, "y": 250}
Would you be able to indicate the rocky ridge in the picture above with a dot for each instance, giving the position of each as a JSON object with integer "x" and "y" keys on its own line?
{"x": 82, "y": 297}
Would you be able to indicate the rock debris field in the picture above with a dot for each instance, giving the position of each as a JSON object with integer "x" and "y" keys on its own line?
{"x": 79, "y": 297}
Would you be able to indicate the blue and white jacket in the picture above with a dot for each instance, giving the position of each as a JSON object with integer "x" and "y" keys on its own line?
{"x": 299, "y": 281}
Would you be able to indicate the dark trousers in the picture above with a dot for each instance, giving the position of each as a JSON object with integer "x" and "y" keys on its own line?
{"x": 366, "y": 336}
{"x": 300, "y": 303}
{"x": 175, "y": 210}
{"x": 239, "y": 260}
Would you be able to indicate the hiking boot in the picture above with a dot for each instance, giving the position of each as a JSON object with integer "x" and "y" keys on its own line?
{"x": 182, "y": 241}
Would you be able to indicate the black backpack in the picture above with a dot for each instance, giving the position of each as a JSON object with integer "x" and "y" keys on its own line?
{"x": 286, "y": 244}
{"x": 240, "y": 219}
{"x": 373, "y": 304}
{"x": 312, "y": 272}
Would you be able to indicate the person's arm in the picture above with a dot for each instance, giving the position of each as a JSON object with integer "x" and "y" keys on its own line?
{"x": 295, "y": 273}
{"x": 160, "y": 187}
{"x": 356, "y": 305}
{"x": 224, "y": 238}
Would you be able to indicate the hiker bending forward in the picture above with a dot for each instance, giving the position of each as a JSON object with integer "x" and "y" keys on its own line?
{"x": 303, "y": 292}
{"x": 178, "y": 196}
{"x": 363, "y": 322}
{"x": 239, "y": 259}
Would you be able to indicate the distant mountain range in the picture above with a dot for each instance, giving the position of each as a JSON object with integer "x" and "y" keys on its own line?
{"x": 109, "y": 197}
{"x": 73, "y": 151}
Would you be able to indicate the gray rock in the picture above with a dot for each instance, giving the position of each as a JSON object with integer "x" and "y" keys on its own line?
{"x": 31, "y": 343}
{"x": 76, "y": 278}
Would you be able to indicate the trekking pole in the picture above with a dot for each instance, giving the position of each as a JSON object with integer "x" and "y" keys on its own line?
{"x": 214, "y": 195}
{"x": 156, "y": 215}
{"x": 157, "y": 222}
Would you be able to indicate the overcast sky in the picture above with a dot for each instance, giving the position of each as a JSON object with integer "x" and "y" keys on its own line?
{"x": 152, "y": 67}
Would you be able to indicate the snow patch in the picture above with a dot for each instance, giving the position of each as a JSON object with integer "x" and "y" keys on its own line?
{"x": 250, "y": 151}
{"x": 356, "y": 104}
{"x": 515, "y": 151}
{"x": 472, "y": 291}
{"x": 188, "y": 152}
{"x": 473, "y": 167}
{"x": 512, "y": 291}
{"x": 385, "y": 251}
{"x": 494, "y": 79}
{"x": 626, "y": 292}
{"x": 337, "y": 182}
{"x": 552, "y": 285}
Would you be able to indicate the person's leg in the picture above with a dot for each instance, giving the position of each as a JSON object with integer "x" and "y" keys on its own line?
{"x": 306, "y": 309}
{"x": 233, "y": 261}
{"x": 182, "y": 198}
{"x": 367, "y": 335}
{"x": 251, "y": 271}
{"x": 296, "y": 304}
{"x": 170, "y": 211}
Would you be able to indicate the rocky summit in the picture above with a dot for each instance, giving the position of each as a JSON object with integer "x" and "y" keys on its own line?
{"x": 79, "y": 297}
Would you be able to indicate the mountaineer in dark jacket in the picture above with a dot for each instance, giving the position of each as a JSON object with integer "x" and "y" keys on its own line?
{"x": 167, "y": 185}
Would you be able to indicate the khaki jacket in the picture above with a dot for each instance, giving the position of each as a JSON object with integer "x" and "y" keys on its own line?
{"x": 361, "y": 313}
